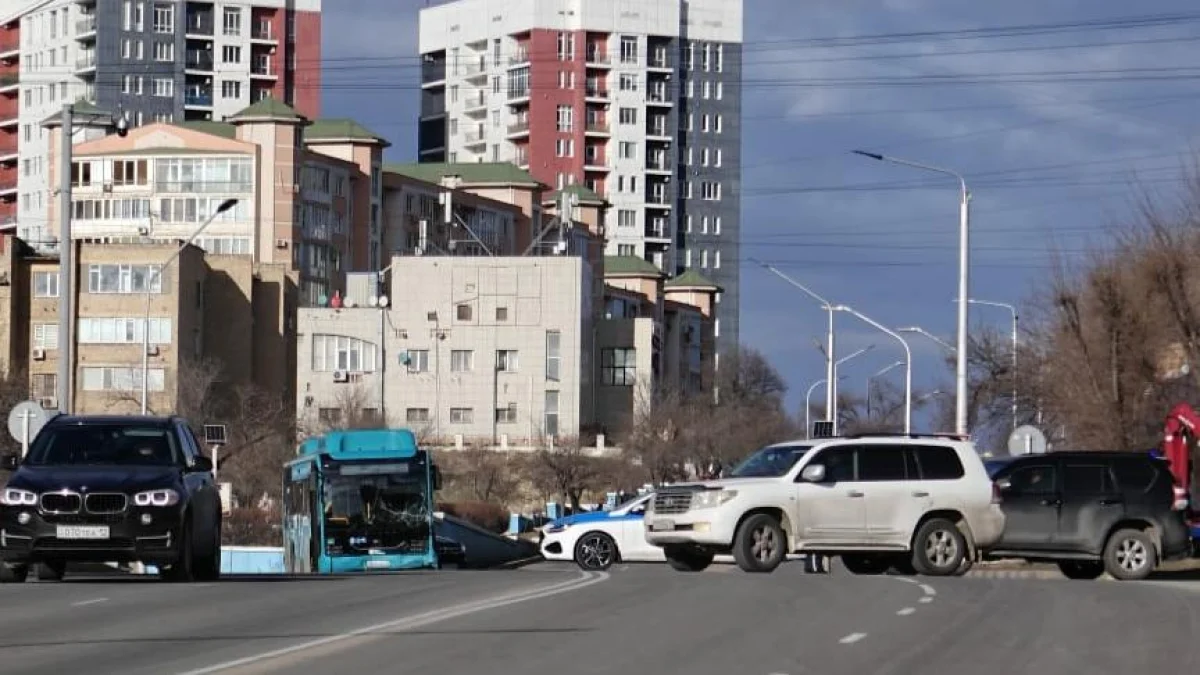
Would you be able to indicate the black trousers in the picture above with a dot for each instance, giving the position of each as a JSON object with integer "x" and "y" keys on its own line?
{"x": 815, "y": 563}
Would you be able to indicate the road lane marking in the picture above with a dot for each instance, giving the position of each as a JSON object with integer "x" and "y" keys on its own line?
{"x": 852, "y": 638}
{"x": 906, "y": 580}
{"x": 84, "y": 603}
{"x": 906, "y": 611}
{"x": 926, "y": 599}
{"x": 928, "y": 590}
{"x": 416, "y": 621}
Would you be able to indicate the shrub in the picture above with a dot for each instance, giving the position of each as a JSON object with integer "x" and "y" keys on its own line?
{"x": 489, "y": 516}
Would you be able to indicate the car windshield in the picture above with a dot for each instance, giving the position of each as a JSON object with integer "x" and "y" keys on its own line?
{"x": 770, "y": 462}
{"x": 628, "y": 503}
{"x": 380, "y": 507}
{"x": 120, "y": 444}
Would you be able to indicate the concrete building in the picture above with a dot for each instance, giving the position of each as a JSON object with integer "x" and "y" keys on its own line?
{"x": 152, "y": 61}
{"x": 10, "y": 113}
{"x": 309, "y": 193}
{"x": 639, "y": 101}
{"x": 220, "y": 319}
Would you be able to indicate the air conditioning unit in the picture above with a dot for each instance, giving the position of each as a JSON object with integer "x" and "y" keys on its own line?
{"x": 39, "y": 354}
{"x": 48, "y": 403}
{"x": 152, "y": 350}
{"x": 281, "y": 243}
{"x": 341, "y": 376}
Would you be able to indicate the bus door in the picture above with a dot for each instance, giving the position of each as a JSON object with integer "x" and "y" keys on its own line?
{"x": 302, "y": 535}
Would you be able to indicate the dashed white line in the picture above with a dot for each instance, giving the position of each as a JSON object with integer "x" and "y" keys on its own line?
{"x": 927, "y": 599}
{"x": 928, "y": 590}
{"x": 906, "y": 611}
{"x": 852, "y": 638}
{"x": 906, "y": 580}
{"x": 93, "y": 601}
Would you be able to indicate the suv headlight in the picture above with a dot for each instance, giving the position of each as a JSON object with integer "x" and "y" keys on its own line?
{"x": 156, "y": 498}
{"x": 707, "y": 499}
{"x": 18, "y": 497}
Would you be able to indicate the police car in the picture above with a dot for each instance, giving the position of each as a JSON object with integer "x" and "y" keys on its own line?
{"x": 596, "y": 540}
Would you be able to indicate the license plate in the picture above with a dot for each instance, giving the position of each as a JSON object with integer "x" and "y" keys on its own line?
{"x": 82, "y": 532}
{"x": 378, "y": 565}
{"x": 662, "y": 525}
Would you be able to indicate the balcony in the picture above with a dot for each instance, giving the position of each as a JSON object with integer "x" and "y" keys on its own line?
{"x": 657, "y": 230}
{"x": 596, "y": 94}
{"x": 8, "y": 187}
{"x": 433, "y": 74}
{"x": 8, "y": 152}
{"x": 10, "y": 44}
{"x": 476, "y": 71}
{"x": 518, "y": 129}
{"x": 599, "y": 127}
{"x": 518, "y": 96}
{"x": 9, "y": 119}
{"x": 198, "y": 99}
{"x": 9, "y": 84}
{"x": 658, "y": 165}
{"x": 659, "y": 96}
{"x": 261, "y": 32}
{"x": 85, "y": 28}
{"x": 86, "y": 61}
{"x": 598, "y": 59}
{"x": 263, "y": 70}
{"x": 199, "y": 59}
{"x": 474, "y": 139}
{"x": 658, "y": 200}
{"x": 475, "y": 105}
{"x": 200, "y": 26}
{"x": 658, "y": 62}
{"x": 521, "y": 58}
{"x": 658, "y": 132}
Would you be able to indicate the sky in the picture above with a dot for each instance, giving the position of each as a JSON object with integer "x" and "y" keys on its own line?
{"x": 1057, "y": 125}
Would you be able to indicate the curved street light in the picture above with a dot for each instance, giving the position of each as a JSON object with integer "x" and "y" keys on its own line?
{"x": 907, "y": 360}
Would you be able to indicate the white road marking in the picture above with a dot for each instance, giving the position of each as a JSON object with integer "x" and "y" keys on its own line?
{"x": 89, "y": 602}
{"x": 409, "y": 622}
{"x": 906, "y": 580}
{"x": 926, "y": 599}
{"x": 852, "y": 638}
{"x": 906, "y": 611}
{"x": 928, "y": 590}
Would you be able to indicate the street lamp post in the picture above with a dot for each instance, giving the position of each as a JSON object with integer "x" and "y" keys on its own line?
{"x": 880, "y": 373}
{"x": 907, "y": 360}
{"x": 1012, "y": 310}
{"x": 808, "y": 406}
{"x": 150, "y": 276}
{"x": 964, "y": 216}
{"x": 921, "y": 331}
{"x": 830, "y": 355}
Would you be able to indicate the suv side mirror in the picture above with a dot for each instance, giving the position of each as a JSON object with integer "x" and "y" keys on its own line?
{"x": 202, "y": 464}
{"x": 10, "y": 462}
{"x": 813, "y": 473}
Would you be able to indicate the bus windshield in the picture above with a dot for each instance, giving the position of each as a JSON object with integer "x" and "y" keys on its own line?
{"x": 376, "y": 508}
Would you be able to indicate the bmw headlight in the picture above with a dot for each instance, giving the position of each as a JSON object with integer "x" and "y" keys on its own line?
{"x": 18, "y": 497}
{"x": 707, "y": 499}
{"x": 156, "y": 498}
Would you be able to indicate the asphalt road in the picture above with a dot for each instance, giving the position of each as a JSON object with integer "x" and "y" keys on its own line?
{"x": 550, "y": 619}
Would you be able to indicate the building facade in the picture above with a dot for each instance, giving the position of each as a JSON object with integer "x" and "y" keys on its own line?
{"x": 638, "y": 102}
{"x": 150, "y": 61}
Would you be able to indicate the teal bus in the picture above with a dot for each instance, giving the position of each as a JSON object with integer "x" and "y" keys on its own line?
{"x": 358, "y": 501}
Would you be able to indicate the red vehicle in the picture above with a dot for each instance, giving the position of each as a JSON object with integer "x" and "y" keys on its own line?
{"x": 1180, "y": 451}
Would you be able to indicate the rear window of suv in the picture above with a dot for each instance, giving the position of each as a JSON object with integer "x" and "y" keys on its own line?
{"x": 885, "y": 462}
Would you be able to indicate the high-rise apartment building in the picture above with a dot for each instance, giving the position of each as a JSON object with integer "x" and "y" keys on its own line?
{"x": 636, "y": 100}
{"x": 151, "y": 60}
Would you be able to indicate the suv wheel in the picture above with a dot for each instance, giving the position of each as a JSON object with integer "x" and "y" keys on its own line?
{"x": 1081, "y": 569}
{"x": 182, "y": 570}
{"x": 866, "y": 564}
{"x": 51, "y": 570}
{"x": 939, "y": 548}
{"x": 1129, "y": 555}
{"x": 208, "y": 563}
{"x": 688, "y": 558}
{"x": 760, "y": 544}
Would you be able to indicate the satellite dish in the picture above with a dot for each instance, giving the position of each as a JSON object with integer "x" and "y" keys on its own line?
{"x": 1026, "y": 440}
{"x": 383, "y": 301}
{"x": 29, "y": 413}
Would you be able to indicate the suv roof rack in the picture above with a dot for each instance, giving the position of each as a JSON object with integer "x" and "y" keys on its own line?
{"x": 894, "y": 434}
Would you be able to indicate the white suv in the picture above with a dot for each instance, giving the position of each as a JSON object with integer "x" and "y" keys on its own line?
{"x": 918, "y": 503}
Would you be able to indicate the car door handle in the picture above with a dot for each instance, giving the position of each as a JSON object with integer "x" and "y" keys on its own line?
{"x": 854, "y": 494}
{"x": 920, "y": 494}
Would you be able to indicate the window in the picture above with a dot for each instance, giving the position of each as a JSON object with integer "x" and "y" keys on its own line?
{"x": 1134, "y": 474}
{"x": 566, "y": 47}
{"x": 462, "y": 361}
{"x": 462, "y": 415}
{"x": 629, "y": 49}
{"x": 164, "y": 87}
{"x": 121, "y": 378}
{"x": 628, "y": 115}
{"x": 564, "y": 147}
{"x": 164, "y": 18}
{"x": 416, "y": 415}
{"x": 627, "y": 150}
{"x": 230, "y": 54}
{"x": 231, "y": 89}
{"x": 45, "y": 284}
{"x": 119, "y": 331}
{"x": 881, "y": 463}
{"x": 43, "y": 385}
{"x": 224, "y": 176}
{"x": 938, "y": 462}
{"x": 626, "y": 218}
{"x": 339, "y": 352}
{"x": 463, "y": 312}
{"x": 164, "y": 51}
{"x": 125, "y": 278}
{"x": 710, "y": 191}
{"x": 45, "y": 336}
{"x": 506, "y": 360}
{"x": 550, "y": 425}
{"x": 130, "y": 172}
{"x": 501, "y": 314}
{"x": 628, "y": 82}
{"x": 232, "y": 21}
{"x": 1037, "y": 479}
{"x": 566, "y": 80}
{"x": 507, "y": 415}
{"x": 418, "y": 361}
{"x": 566, "y": 118}
{"x": 1086, "y": 479}
{"x": 553, "y": 355}
{"x": 618, "y": 367}
{"x": 838, "y": 462}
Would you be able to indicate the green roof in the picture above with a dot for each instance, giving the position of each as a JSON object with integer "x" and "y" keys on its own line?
{"x": 629, "y": 266}
{"x": 222, "y": 129}
{"x": 85, "y": 114}
{"x": 691, "y": 279}
{"x": 471, "y": 173}
{"x": 341, "y": 130}
{"x": 585, "y": 195}
{"x": 268, "y": 109}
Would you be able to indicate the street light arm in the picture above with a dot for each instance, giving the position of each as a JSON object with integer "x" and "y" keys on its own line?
{"x": 797, "y": 284}
{"x": 916, "y": 165}
{"x": 921, "y": 331}
{"x": 907, "y": 358}
{"x": 888, "y": 369}
{"x": 860, "y": 352}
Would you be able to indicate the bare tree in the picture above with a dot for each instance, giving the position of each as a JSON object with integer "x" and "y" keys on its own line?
{"x": 563, "y": 467}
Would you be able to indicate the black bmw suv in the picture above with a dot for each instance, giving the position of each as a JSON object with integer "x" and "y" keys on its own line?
{"x": 111, "y": 489}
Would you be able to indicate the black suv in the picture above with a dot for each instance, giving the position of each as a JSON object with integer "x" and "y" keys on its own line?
{"x": 1091, "y": 513}
{"x": 111, "y": 489}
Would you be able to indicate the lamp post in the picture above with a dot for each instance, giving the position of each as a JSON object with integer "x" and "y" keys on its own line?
{"x": 907, "y": 360}
{"x": 1012, "y": 310}
{"x": 808, "y": 406}
{"x": 880, "y": 373}
{"x": 964, "y": 221}
{"x": 831, "y": 391}
{"x": 150, "y": 277}
{"x": 921, "y": 331}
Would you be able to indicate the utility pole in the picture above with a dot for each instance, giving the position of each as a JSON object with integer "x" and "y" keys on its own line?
{"x": 66, "y": 264}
